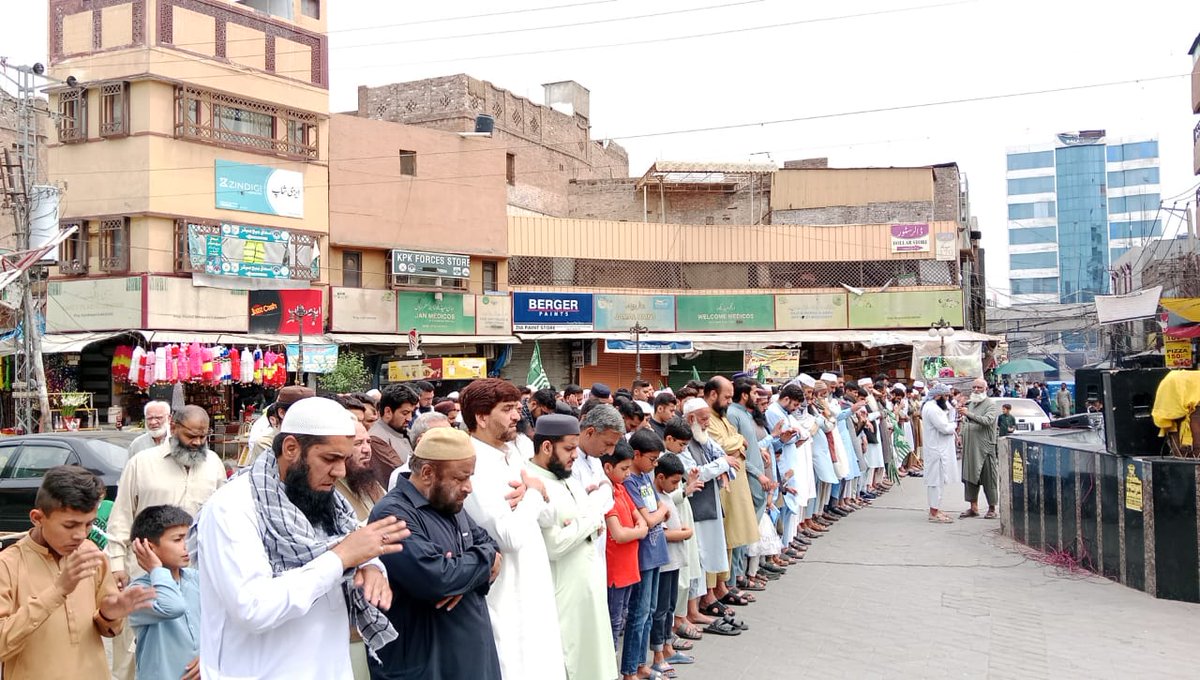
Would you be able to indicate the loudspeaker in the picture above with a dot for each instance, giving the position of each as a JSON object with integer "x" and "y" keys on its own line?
{"x": 1088, "y": 385}
{"x": 1128, "y": 398}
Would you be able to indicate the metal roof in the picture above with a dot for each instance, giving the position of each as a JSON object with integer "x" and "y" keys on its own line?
{"x": 701, "y": 174}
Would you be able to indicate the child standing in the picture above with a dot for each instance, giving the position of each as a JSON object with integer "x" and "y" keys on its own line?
{"x": 168, "y": 633}
{"x": 668, "y": 474}
{"x": 652, "y": 550}
{"x": 625, "y": 526}
{"x": 57, "y": 595}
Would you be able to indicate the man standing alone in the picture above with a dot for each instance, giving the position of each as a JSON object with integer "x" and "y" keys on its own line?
{"x": 980, "y": 462}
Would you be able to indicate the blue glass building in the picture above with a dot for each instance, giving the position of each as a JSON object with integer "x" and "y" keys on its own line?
{"x": 1073, "y": 208}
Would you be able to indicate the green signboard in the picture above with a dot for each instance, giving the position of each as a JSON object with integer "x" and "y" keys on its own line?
{"x": 725, "y": 312}
{"x": 906, "y": 309}
{"x": 452, "y": 315}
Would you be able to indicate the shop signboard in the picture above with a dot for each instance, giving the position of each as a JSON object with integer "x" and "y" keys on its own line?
{"x": 945, "y": 246}
{"x": 493, "y": 315}
{"x": 725, "y": 312}
{"x": 552, "y": 312}
{"x": 317, "y": 358}
{"x": 281, "y": 311}
{"x": 362, "y": 310}
{"x": 1178, "y": 353}
{"x": 415, "y": 369}
{"x": 776, "y": 366}
{"x": 622, "y": 312}
{"x": 453, "y": 314}
{"x": 252, "y": 252}
{"x": 173, "y": 303}
{"x": 905, "y": 309}
{"x": 94, "y": 305}
{"x": 464, "y": 368}
{"x": 910, "y": 238}
{"x": 648, "y": 347}
{"x": 259, "y": 189}
{"x": 810, "y": 312}
{"x": 440, "y": 265}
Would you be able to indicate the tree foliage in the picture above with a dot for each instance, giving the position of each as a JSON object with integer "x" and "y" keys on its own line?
{"x": 350, "y": 375}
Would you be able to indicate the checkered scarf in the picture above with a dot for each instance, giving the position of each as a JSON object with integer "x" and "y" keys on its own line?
{"x": 291, "y": 542}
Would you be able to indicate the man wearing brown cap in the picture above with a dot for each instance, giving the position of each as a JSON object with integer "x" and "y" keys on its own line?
{"x": 274, "y": 415}
{"x": 571, "y": 527}
{"x": 441, "y": 578}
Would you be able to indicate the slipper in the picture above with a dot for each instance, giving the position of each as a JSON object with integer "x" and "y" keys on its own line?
{"x": 991, "y": 514}
{"x": 968, "y": 513}
{"x": 941, "y": 519}
{"x": 680, "y": 659}
{"x": 688, "y": 632}
{"x": 715, "y": 609}
{"x": 682, "y": 645}
{"x": 733, "y": 600}
{"x": 664, "y": 670}
{"x": 752, "y": 586}
{"x": 722, "y": 627}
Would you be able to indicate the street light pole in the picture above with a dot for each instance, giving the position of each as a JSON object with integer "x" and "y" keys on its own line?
{"x": 941, "y": 329}
{"x": 637, "y": 331}
{"x": 300, "y": 314}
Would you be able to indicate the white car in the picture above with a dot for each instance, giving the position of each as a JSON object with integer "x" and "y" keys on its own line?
{"x": 1030, "y": 417}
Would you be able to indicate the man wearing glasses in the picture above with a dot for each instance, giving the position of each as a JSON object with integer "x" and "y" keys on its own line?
{"x": 158, "y": 426}
{"x": 980, "y": 464}
{"x": 180, "y": 471}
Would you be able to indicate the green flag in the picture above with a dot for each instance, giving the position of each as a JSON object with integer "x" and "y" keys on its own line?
{"x": 695, "y": 374}
{"x": 761, "y": 377}
{"x": 536, "y": 379}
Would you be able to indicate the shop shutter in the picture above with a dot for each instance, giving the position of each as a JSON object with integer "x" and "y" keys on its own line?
{"x": 619, "y": 370}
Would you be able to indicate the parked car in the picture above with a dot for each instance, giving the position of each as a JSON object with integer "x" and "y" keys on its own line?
{"x": 1029, "y": 415}
{"x": 25, "y": 459}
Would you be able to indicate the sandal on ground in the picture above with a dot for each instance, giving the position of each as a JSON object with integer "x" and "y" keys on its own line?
{"x": 941, "y": 519}
{"x": 687, "y": 631}
{"x": 680, "y": 659}
{"x": 722, "y": 627}
{"x": 665, "y": 670}
{"x": 734, "y": 600}
{"x": 753, "y": 586}
{"x": 968, "y": 513}
{"x": 715, "y": 609}
{"x": 682, "y": 645}
{"x": 745, "y": 596}
{"x": 991, "y": 514}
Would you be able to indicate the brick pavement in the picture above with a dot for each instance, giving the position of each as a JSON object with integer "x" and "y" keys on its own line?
{"x": 888, "y": 595}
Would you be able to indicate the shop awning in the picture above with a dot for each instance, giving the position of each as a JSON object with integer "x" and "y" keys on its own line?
{"x": 396, "y": 339}
{"x": 742, "y": 340}
{"x": 60, "y": 343}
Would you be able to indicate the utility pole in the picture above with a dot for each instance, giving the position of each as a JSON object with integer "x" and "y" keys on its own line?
{"x": 636, "y": 331}
{"x": 300, "y": 314}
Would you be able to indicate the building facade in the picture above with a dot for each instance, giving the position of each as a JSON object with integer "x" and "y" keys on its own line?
{"x": 1074, "y": 207}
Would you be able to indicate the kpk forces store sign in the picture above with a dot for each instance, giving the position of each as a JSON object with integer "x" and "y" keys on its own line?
{"x": 552, "y": 312}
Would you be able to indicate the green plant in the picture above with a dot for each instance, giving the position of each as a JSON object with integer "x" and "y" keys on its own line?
{"x": 69, "y": 402}
{"x": 350, "y": 375}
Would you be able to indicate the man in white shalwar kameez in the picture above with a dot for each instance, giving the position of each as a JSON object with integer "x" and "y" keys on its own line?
{"x": 941, "y": 461}
{"x": 507, "y": 503}
{"x": 789, "y": 464}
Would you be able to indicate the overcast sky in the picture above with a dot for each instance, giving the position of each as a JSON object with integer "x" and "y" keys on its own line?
{"x": 744, "y": 62}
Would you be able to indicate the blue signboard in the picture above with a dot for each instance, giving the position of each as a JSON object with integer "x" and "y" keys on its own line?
{"x": 552, "y": 311}
{"x": 648, "y": 347}
{"x": 259, "y": 189}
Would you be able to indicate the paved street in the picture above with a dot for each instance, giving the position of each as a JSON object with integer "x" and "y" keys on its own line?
{"x": 888, "y": 595}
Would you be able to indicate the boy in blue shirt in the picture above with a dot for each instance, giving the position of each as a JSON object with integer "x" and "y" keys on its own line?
{"x": 652, "y": 550}
{"x": 168, "y": 633}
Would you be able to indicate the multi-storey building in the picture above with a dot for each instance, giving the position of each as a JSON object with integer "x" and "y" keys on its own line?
{"x": 1074, "y": 207}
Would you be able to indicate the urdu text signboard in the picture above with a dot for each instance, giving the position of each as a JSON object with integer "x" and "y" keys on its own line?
{"x": 362, "y": 310}
{"x": 259, "y": 189}
{"x": 910, "y": 238}
{"x": 173, "y": 303}
{"x": 810, "y": 312}
{"x": 552, "y": 312}
{"x": 317, "y": 358}
{"x": 94, "y": 305}
{"x": 252, "y": 252}
{"x": 725, "y": 312}
{"x": 454, "y": 314}
{"x": 493, "y": 315}
{"x": 622, "y": 312}
{"x": 905, "y": 309}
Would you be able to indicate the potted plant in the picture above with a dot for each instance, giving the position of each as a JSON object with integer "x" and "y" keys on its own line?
{"x": 68, "y": 404}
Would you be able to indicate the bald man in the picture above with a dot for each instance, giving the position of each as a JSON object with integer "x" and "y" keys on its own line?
{"x": 980, "y": 464}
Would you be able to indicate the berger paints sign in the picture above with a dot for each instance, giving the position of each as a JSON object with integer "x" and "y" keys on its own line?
{"x": 552, "y": 312}
{"x": 259, "y": 189}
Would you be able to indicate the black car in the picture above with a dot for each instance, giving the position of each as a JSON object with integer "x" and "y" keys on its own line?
{"x": 25, "y": 459}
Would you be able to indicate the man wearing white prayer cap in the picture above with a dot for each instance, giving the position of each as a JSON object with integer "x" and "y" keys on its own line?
{"x": 807, "y": 380}
{"x": 284, "y": 573}
{"x": 829, "y": 379}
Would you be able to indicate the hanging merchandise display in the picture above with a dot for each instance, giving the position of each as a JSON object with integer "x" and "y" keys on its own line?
{"x": 198, "y": 364}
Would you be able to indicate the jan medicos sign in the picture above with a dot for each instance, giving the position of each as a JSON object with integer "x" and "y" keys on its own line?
{"x": 552, "y": 312}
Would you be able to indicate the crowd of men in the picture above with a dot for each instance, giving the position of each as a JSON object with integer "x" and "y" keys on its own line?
{"x": 494, "y": 533}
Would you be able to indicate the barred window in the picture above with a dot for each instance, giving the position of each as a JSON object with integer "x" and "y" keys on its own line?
{"x": 216, "y": 118}
{"x": 72, "y": 253}
{"x": 114, "y": 109}
{"x": 114, "y": 245}
{"x": 72, "y": 115}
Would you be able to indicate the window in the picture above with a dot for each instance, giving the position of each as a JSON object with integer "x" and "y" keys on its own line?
{"x": 276, "y": 8}
{"x": 1132, "y": 204}
{"x": 1018, "y": 237}
{"x": 352, "y": 269}
{"x": 72, "y": 115}
{"x": 510, "y": 168}
{"x": 72, "y": 253}
{"x": 1030, "y": 185}
{"x": 33, "y": 460}
{"x": 1133, "y": 151}
{"x": 1028, "y": 161}
{"x": 114, "y": 245}
{"x": 1046, "y": 260}
{"x": 490, "y": 278}
{"x": 216, "y": 118}
{"x": 1034, "y": 286}
{"x": 1132, "y": 178}
{"x": 114, "y": 109}
{"x": 1137, "y": 229}
{"x": 1025, "y": 211}
{"x": 311, "y": 8}
{"x": 408, "y": 162}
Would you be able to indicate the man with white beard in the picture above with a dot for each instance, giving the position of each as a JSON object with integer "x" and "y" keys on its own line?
{"x": 158, "y": 426}
{"x": 941, "y": 463}
{"x": 980, "y": 462}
